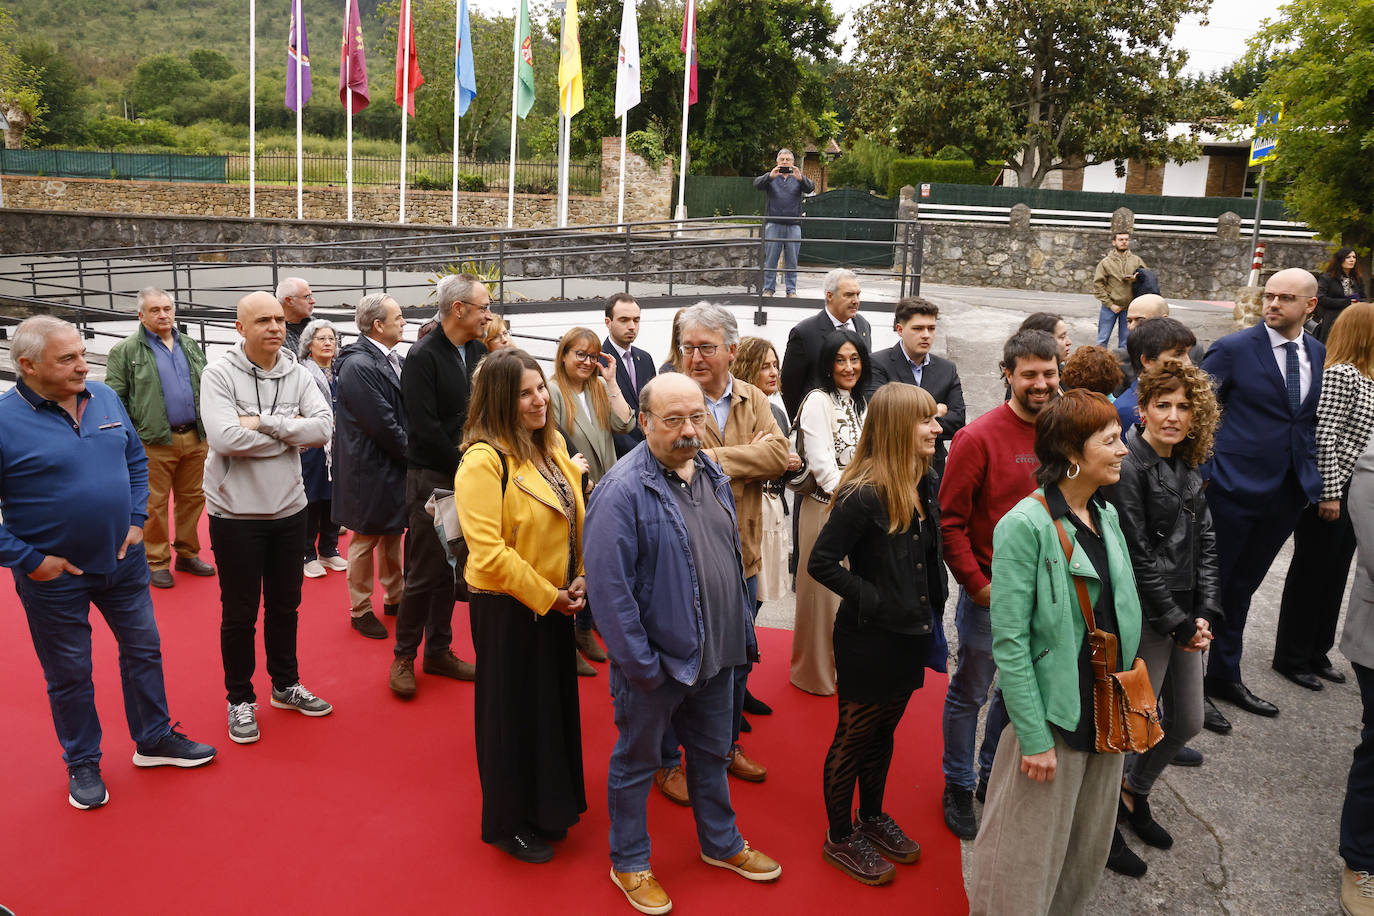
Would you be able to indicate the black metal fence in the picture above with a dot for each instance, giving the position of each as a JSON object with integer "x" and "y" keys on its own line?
{"x": 422, "y": 173}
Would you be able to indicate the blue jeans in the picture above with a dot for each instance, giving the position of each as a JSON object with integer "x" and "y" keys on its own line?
{"x": 1105, "y": 319}
{"x": 968, "y": 691}
{"x": 701, "y": 715}
{"x": 59, "y": 613}
{"x": 784, "y": 240}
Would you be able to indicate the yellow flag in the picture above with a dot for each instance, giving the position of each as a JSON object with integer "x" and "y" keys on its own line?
{"x": 570, "y": 64}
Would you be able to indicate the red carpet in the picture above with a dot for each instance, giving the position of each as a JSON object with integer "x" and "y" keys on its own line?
{"x": 375, "y": 808}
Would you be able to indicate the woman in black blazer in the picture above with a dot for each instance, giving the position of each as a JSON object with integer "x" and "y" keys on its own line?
{"x": 885, "y": 520}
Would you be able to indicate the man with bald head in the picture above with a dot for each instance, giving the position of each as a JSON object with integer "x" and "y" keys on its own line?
{"x": 1264, "y": 467}
{"x": 665, "y": 580}
{"x": 298, "y": 304}
{"x": 260, "y": 409}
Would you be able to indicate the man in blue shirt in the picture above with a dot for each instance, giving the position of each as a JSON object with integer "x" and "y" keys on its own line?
{"x": 156, "y": 373}
{"x": 785, "y": 186}
{"x": 74, "y": 491}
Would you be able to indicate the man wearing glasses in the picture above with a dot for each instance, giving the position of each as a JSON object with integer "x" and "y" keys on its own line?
{"x": 436, "y": 381}
{"x": 1264, "y": 465}
{"x": 298, "y": 303}
{"x": 665, "y": 581}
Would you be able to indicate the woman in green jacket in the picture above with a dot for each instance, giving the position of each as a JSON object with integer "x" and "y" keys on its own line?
{"x": 1051, "y": 805}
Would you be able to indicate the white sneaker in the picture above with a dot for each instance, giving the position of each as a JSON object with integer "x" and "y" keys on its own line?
{"x": 313, "y": 569}
{"x": 243, "y": 723}
{"x": 336, "y": 563}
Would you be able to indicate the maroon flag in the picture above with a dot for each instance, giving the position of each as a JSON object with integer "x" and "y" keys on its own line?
{"x": 352, "y": 64}
{"x": 689, "y": 48}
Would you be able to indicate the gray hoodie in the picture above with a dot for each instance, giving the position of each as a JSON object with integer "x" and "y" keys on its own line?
{"x": 257, "y": 473}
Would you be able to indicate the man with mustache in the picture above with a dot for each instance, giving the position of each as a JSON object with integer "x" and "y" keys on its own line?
{"x": 991, "y": 468}
{"x": 665, "y": 581}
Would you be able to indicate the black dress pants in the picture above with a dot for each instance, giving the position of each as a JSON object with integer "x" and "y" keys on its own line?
{"x": 1312, "y": 593}
{"x": 426, "y": 611}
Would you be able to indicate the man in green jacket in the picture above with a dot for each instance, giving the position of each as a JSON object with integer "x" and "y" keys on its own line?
{"x": 156, "y": 373}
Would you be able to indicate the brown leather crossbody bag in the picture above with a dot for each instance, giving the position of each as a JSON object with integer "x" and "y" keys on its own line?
{"x": 1125, "y": 712}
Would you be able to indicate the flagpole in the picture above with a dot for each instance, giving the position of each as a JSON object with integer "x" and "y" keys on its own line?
{"x": 686, "y": 88}
{"x": 405, "y": 98}
{"x": 348, "y": 107}
{"x": 514, "y": 101}
{"x": 300, "y": 176}
{"x": 457, "y": 91}
{"x": 252, "y": 108}
{"x": 620, "y": 207}
{"x": 562, "y": 217}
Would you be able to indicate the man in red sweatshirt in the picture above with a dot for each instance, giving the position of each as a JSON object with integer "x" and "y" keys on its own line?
{"x": 991, "y": 467}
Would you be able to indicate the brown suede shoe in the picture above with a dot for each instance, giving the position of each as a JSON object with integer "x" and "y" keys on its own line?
{"x": 672, "y": 782}
{"x": 741, "y": 767}
{"x": 402, "y": 680}
{"x": 750, "y": 863}
{"x": 584, "y": 667}
{"x": 643, "y": 891}
{"x": 889, "y": 839}
{"x": 450, "y": 665}
{"x": 588, "y": 646}
{"x": 857, "y": 858}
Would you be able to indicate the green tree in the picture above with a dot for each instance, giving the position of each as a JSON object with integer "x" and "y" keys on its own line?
{"x": 1037, "y": 85}
{"x": 21, "y": 100}
{"x": 60, "y": 92}
{"x": 210, "y": 64}
{"x": 1322, "y": 77}
{"x": 162, "y": 85}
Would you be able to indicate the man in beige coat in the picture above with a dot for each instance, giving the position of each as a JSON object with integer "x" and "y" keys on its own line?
{"x": 1112, "y": 281}
{"x": 743, "y": 438}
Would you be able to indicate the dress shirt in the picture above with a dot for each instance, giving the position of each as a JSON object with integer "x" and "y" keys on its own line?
{"x": 628, "y": 361}
{"x": 175, "y": 373}
{"x": 1277, "y": 340}
{"x": 721, "y": 409}
{"x": 917, "y": 369}
{"x": 392, "y": 358}
{"x": 847, "y": 325}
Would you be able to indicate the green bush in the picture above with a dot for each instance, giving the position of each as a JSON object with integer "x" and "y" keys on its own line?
{"x": 467, "y": 181}
{"x": 865, "y": 165}
{"x": 915, "y": 172}
{"x": 423, "y": 181}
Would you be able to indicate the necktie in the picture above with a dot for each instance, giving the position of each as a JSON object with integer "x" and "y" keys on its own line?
{"x": 630, "y": 370}
{"x": 1292, "y": 377}
{"x": 395, "y": 362}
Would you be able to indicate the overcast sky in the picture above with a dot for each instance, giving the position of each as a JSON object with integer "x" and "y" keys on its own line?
{"x": 1209, "y": 48}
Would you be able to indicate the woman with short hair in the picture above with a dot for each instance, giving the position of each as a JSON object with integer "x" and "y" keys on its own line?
{"x": 1052, "y": 798}
{"x": 319, "y": 345}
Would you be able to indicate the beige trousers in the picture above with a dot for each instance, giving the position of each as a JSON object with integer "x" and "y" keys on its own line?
{"x": 176, "y": 470}
{"x": 1042, "y": 846}
{"x": 813, "y": 633}
{"x": 360, "y": 570}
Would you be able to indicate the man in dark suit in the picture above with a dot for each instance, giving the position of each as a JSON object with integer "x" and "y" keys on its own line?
{"x": 1264, "y": 466}
{"x": 911, "y": 362}
{"x": 633, "y": 367}
{"x": 804, "y": 341}
{"x": 370, "y": 459}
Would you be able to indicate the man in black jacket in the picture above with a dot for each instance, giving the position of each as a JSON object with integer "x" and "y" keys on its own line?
{"x": 910, "y": 361}
{"x": 370, "y": 458}
{"x": 804, "y": 341}
{"x": 785, "y": 187}
{"x": 436, "y": 383}
{"x": 633, "y": 367}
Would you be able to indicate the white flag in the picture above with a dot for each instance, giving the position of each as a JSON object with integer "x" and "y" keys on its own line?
{"x": 627, "y": 70}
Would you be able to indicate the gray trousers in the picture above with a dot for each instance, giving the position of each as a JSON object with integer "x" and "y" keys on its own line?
{"x": 1043, "y": 845}
{"x": 1183, "y": 700}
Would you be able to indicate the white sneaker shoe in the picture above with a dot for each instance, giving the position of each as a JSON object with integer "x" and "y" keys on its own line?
{"x": 313, "y": 569}
{"x": 336, "y": 563}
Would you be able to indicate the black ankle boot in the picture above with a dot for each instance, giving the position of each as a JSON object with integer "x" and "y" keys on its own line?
{"x": 1122, "y": 860}
{"x": 1142, "y": 822}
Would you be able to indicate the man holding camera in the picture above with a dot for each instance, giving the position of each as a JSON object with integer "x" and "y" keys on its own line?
{"x": 785, "y": 186}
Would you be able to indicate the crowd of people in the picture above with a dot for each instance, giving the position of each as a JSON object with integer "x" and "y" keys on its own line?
{"x": 1140, "y": 494}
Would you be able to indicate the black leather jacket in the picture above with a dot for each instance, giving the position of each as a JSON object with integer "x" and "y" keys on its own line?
{"x": 1168, "y": 530}
{"x": 889, "y": 583}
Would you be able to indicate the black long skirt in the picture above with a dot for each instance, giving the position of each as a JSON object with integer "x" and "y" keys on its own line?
{"x": 529, "y": 728}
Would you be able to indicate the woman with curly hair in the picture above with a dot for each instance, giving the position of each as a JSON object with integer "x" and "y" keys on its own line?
{"x": 1338, "y": 286}
{"x": 1093, "y": 368}
{"x": 1168, "y": 530}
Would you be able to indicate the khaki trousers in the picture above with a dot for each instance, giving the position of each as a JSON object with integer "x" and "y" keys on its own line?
{"x": 360, "y": 570}
{"x": 1043, "y": 845}
{"x": 178, "y": 470}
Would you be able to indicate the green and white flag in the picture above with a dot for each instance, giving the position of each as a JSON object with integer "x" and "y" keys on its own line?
{"x": 524, "y": 63}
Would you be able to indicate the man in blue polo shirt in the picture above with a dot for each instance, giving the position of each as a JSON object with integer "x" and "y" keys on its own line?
{"x": 74, "y": 491}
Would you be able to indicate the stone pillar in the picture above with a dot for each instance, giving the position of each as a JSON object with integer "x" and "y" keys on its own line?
{"x": 1249, "y": 307}
{"x": 1020, "y": 218}
{"x": 907, "y": 208}
{"x": 1123, "y": 220}
{"x": 1228, "y": 226}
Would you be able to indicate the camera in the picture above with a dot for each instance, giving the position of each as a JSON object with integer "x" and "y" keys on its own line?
{"x": 785, "y": 170}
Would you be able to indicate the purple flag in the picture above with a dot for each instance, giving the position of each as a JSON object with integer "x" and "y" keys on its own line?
{"x": 297, "y": 49}
{"x": 352, "y": 65}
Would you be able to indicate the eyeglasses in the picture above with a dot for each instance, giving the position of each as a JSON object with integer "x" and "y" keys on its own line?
{"x": 706, "y": 350}
{"x": 480, "y": 308}
{"x": 697, "y": 419}
{"x": 582, "y": 356}
{"x": 1282, "y": 298}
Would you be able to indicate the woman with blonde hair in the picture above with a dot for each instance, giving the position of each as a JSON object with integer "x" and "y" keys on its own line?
{"x": 519, "y": 501}
{"x": 587, "y": 407}
{"x": 674, "y": 362}
{"x": 496, "y": 335}
{"x": 885, "y": 520}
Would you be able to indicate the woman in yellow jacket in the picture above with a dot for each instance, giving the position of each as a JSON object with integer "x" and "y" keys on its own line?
{"x": 519, "y": 501}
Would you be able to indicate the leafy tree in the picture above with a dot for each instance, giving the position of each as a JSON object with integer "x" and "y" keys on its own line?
{"x": 1322, "y": 77}
{"x": 20, "y": 98}
{"x": 210, "y": 64}
{"x": 161, "y": 84}
{"x": 1039, "y": 85}
{"x": 60, "y": 93}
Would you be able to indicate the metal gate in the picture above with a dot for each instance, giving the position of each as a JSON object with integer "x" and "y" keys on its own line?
{"x": 835, "y": 241}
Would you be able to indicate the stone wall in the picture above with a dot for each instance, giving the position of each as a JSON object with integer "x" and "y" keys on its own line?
{"x": 648, "y": 197}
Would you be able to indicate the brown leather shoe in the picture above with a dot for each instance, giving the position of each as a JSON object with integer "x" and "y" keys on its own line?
{"x": 584, "y": 667}
{"x": 750, "y": 863}
{"x": 643, "y": 891}
{"x": 672, "y": 782}
{"x": 402, "y": 680}
{"x": 858, "y": 859}
{"x": 450, "y": 665}
{"x": 889, "y": 839}
{"x": 161, "y": 578}
{"x": 741, "y": 767}
{"x": 194, "y": 565}
{"x": 588, "y": 646}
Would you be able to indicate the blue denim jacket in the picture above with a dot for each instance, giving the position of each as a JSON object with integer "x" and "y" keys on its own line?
{"x": 641, "y": 579}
